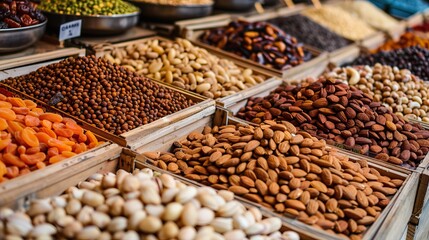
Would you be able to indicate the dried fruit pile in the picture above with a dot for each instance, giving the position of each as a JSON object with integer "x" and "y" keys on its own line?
{"x": 343, "y": 114}
{"x": 139, "y": 206}
{"x": 32, "y": 138}
{"x": 288, "y": 171}
{"x": 15, "y": 14}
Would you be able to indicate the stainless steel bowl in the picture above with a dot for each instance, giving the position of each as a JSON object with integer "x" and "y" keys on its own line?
{"x": 171, "y": 13}
{"x": 235, "y": 5}
{"x": 95, "y": 25}
{"x": 15, "y": 39}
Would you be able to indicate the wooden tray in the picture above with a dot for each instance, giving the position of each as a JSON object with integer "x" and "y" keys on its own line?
{"x": 319, "y": 60}
{"x": 419, "y": 224}
{"x": 402, "y": 202}
{"x": 224, "y": 101}
{"x": 40, "y": 52}
{"x": 140, "y": 135}
{"x": 53, "y": 178}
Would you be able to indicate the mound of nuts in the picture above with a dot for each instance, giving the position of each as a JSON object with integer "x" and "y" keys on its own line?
{"x": 186, "y": 66}
{"x": 283, "y": 169}
{"x": 402, "y": 92}
{"x": 100, "y": 93}
{"x": 130, "y": 206}
{"x": 344, "y": 115}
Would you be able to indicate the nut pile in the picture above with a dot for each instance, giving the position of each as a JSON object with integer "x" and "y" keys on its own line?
{"x": 259, "y": 41}
{"x": 343, "y": 114}
{"x": 103, "y": 94}
{"x": 369, "y": 13}
{"x": 400, "y": 91}
{"x": 408, "y": 39}
{"x": 131, "y": 206}
{"x": 289, "y": 171}
{"x": 184, "y": 65}
{"x": 88, "y": 7}
{"x": 415, "y": 59}
{"x": 32, "y": 138}
{"x": 340, "y": 22}
{"x": 310, "y": 33}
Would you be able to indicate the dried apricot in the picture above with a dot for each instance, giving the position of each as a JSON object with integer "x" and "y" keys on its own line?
{"x": 21, "y": 149}
{"x": 56, "y": 159}
{"x": 32, "y": 159}
{"x": 91, "y": 137}
{"x": 31, "y": 121}
{"x": 82, "y": 137}
{"x": 74, "y": 127}
{"x": 3, "y": 97}
{"x": 3, "y": 124}
{"x": 43, "y": 137}
{"x": 4, "y": 104}
{"x": 80, "y": 148}
{"x": 12, "y": 172}
{"x": 24, "y": 171}
{"x": 14, "y": 126}
{"x": 53, "y": 117}
{"x": 40, "y": 165}
{"x": 68, "y": 154}
{"x": 16, "y": 102}
{"x": 3, "y": 169}
{"x": 47, "y": 124}
{"x": 4, "y": 143}
{"x": 21, "y": 110}
{"x": 7, "y": 114}
{"x": 29, "y": 137}
{"x": 37, "y": 110}
{"x": 32, "y": 150}
{"x": 20, "y": 118}
{"x": 11, "y": 148}
{"x": 53, "y": 151}
{"x": 59, "y": 144}
{"x": 13, "y": 160}
{"x": 48, "y": 131}
{"x": 30, "y": 104}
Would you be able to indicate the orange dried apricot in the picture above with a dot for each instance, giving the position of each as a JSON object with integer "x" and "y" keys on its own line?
{"x": 53, "y": 151}
{"x": 21, "y": 149}
{"x": 91, "y": 137}
{"x": 12, "y": 172}
{"x": 4, "y": 143}
{"x": 68, "y": 154}
{"x": 59, "y": 144}
{"x": 3, "y": 124}
{"x": 48, "y": 131}
{"x": 47, "y": 124}
{"x": 82, "y": 137}
{"x": 31, "y": 121}
{"x": 32, "y": 150}
{"x": 21, "y": 110}
{"x": 20, "y": 118}
{"x": 14, "y": 126}
{"x": 24, "y": 171}
{"x": 53, "y": 117}
{"x": 3, "y": 97}
{"x": 11, "y": 148}
{"x": 7, "y": 114}
{"x": 29, "y": 137}
{"x": 16, "y": 102}
{"x": 32, "y": 159}
{"x": 74, "y": 127}
{"x": 38, "y": 110}
{"x": 3, "y": 169}
{"x": 80, "y": 148}
{"x": 30, "y": 104}
{"x": 56, "y": 159}
{"x": 13, "y": 160}
{"x": 4, "y": 104}
{"x": 40, "y": 165}
{"x": 43, "y": 137}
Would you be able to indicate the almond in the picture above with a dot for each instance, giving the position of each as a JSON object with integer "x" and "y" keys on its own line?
{"x": 298, "y": 173}
{"x": 352, "y": 213}
{"x": 326, "y": 176}
{"x": 312, "y": 207}
{"x": 261, "y": 187}
{"x": 273, "y": 162}
{"x": 295, "y": 204}
{"x": 320, "y": 103}
{"x": 331, "y": 205}
{"x": 362, "y": 199}
{"x": 238, "y": 190}
{"x": 321, "y": 187}
{"x": 294, "y": 183}
{"x": 247, "y": 182}
{"x": 250, "y": 146}
{"x": 273, "y": 188}
{"x": 350, "y": 192}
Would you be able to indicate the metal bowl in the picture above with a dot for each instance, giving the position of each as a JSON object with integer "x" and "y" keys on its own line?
{"x": 15, "y": 39}
{"x": 235, "y": 5}
{"x": 95, "y": 25}
{"x": 171, "y": 13}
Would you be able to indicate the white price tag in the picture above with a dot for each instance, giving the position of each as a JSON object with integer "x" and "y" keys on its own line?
{"x": 70, "y": 30}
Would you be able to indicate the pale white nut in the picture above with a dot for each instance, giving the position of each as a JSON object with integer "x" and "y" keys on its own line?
{"x": 187, "y": 233}
{"x": 354, "y": 76}
{"x": 43, "y": 229}
{"x": 17, "y": 225}
{"x": 414, "y": 105}
{"x": 290, "y": 235}
{"x": 205, "y": 216}
{"x": 222, "y": 225}
{"x": 186, "y": 194}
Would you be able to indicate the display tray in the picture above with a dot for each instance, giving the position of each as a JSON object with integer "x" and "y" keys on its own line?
{"x": 400, "y": 205}
{"x": 224, "y": 101}
{"x": 117, "y": 160}
{"x": 139, "y": 135}
{"x": 41, "y": 51}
